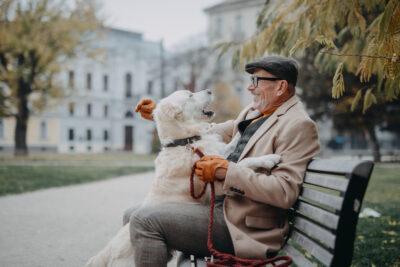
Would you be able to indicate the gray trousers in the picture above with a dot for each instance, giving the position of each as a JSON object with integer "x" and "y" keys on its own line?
{"x": 156, "y": 230}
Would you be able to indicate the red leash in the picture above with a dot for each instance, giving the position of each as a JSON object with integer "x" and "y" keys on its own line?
{"x": 226, "y": 259}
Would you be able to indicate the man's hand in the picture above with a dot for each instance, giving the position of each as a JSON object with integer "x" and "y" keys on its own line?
{"x": 210, "y": 168}
{"x": 145, "y": 107}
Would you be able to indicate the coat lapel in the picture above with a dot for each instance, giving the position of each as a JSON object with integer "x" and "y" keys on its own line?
{"x": 268, "y": 124}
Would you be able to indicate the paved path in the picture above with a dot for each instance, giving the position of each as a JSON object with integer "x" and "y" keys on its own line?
{"x": 65, "y": 226}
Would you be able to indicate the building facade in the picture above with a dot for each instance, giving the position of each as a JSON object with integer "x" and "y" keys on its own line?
{"x": 232, "y": 21}
{"x": 97, "y": 113}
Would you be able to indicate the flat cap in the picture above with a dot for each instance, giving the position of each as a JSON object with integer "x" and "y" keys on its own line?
{"x": 282, "y": 67}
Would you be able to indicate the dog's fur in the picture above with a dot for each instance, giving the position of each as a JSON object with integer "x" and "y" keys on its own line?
{"x": 181, "y": 115}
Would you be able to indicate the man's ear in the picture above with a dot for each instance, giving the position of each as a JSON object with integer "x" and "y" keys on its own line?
{"x": 170, "y": 111}
{"x": 283, "y": 86}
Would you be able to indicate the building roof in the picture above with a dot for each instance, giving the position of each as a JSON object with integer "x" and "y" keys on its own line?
{"x": 132, "y": 34}
{"x": 233, "y": 4}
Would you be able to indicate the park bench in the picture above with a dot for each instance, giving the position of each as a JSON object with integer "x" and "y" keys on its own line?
{"x": 323, "y": 221}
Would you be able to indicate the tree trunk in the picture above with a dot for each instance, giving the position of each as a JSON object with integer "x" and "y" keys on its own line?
{"x": 21, "y": 126}
{"x": 373, "y": 140}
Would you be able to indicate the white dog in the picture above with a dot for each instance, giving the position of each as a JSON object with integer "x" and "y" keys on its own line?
{"x": 182, "y": 121}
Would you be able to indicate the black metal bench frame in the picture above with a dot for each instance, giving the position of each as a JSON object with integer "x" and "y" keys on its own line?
{"x": 324, "y": 219}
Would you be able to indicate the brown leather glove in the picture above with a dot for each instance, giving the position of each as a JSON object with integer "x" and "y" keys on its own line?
{"x": 145, "y": 107}
{"x": 206, "y": 166}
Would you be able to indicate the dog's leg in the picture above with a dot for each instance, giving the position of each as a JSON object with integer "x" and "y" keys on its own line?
{"x": 265, "y": 162}
{"x": 119, "y": 252}
{"x": 101, "y": 259}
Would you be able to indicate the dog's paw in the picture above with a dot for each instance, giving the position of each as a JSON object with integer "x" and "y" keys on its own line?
{"x": 265, "y": 162}
{"x": 247, "y": 162}
{"x": 270, "y": 161}
{"x": 275, "y": 158}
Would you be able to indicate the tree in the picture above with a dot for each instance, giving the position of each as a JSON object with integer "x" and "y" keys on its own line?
{"x": 361, "y": 38}
{"x": 36, "y": 38}
{"x": 357, "y": 41}
{"x": 190, "y": 63}
{"x": 226, "y": 102}
{"x": 321, "y": 105}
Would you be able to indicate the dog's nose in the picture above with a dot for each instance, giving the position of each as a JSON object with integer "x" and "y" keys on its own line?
{"x": 208, "y": 91}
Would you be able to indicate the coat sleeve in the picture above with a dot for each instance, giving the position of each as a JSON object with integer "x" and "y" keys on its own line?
{"x": 297, "y": 145}
{"x": 224, "y": 129}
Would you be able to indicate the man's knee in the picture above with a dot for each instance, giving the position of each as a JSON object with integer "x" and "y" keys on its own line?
{"x": 126, "y": 217}
{"x": 127, "y": 214}
{"x": 145, "y": 222}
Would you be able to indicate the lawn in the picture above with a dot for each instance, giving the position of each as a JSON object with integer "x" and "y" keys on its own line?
{"x": 378, "y": 239}
{"x": 35, "y": 172}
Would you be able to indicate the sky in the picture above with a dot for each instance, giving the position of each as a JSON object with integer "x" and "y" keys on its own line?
{"x": 172, "y": 21}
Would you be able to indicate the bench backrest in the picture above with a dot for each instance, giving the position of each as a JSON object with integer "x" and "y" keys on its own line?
{"x": 324, "y": 219}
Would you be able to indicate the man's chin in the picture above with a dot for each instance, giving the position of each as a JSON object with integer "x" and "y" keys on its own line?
{"x": 256, "y": 106}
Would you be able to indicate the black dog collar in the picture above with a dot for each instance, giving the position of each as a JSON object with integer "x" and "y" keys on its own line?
{"x": 183, "y": 142}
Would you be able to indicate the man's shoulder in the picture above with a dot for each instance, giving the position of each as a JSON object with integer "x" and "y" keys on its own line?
{"x": 297, "y": 113}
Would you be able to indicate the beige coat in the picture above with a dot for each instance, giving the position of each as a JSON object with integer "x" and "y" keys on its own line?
{"x": 256, "y": 203}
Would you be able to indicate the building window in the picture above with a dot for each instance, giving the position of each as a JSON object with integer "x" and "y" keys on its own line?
{"x": 1, "y": 129}
{"x": 71, "y": 79}
{"x": 89, "y": 134}
{"x": 105, "y": 111}
{"x": 238, "y": 23}
{"x": 129, "y": 114}
{"x": 89, "y": 110}
{"x": 105, "y": 136}
{"x": 43, "y": 130}
{"x": 218, "y": 27}
{"x": 105, "y": 82}
{"x": 71, "y": 134}
{"x": 88, "y": 81}
{"x": 238, "y": 34}
{"x": 176, "y": 84}
{"x": 71, "y": 109}
{"x": 128, "y": 85}
{"x": 150, "y": 87}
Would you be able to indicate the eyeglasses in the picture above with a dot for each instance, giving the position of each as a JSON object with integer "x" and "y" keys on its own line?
{"x": 255, "y": 79}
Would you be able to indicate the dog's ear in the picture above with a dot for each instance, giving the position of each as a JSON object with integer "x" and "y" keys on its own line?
{"x": 170, "y": 111}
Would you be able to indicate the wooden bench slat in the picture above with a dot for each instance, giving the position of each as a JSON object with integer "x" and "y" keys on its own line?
{"x": 297, "y": 257}
{"x": 316, "y": 232}
{"x": 331, "y": 181}
{"x": 332, "y": 201}
{"x": 321, "y": 216}
{"x": 313, "y": 248}
{"x": 339, "y": 166}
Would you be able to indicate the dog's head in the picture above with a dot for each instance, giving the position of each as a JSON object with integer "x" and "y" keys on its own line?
{"x": 179, "y": 113}
{"x": 185, "y": 106}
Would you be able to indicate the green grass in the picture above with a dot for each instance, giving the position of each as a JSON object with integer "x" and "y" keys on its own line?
{"x": 378, "y": 239}
{"x": 38, "y": 171}
{"x": 19, "y": 179}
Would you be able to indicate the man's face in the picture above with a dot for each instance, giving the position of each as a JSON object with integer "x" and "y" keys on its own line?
{"x": 266, "y": 91}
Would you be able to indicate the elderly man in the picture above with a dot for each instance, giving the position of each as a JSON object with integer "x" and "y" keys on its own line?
{"x": 251, "y": 220}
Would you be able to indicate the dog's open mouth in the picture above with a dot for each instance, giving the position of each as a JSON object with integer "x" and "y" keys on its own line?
{"x": 208, "y": 113}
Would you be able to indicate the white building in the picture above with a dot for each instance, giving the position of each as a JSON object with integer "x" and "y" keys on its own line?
{"x": 196, "y": 61}
{"x": 232, "y": 21}
{"x": 97, "y": 114}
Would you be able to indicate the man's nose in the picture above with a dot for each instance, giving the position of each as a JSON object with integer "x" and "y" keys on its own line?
{"x": 251, "y": 88}
{"x": 208, "y": 91}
